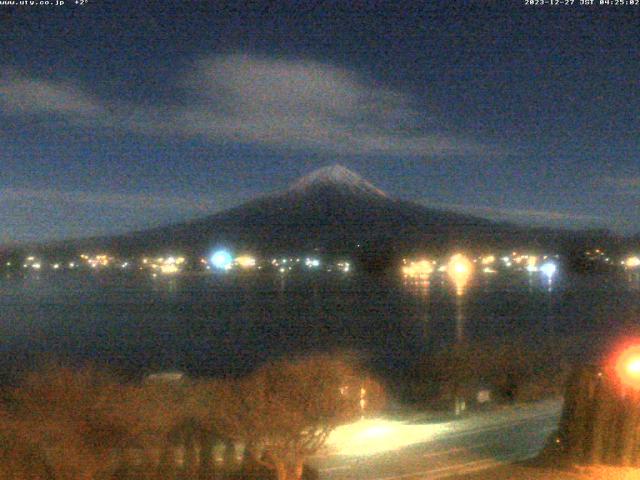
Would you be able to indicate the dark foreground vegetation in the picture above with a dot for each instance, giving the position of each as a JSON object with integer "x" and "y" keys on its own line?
{"x": 511, "y": 370}
{"x": 60, "y": 423}
{"x": 598, "y": 435}
{"x": 66, "y": 424}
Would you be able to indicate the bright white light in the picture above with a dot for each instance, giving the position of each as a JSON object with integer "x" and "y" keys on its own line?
{"x": 221, "y": 260}
{"x": 374, "y": 436}
{"x": 549, "y": 269}
{"x": 532, "y": 268}
{"x": 633, "y": 367}
{"x": 312, "y": 262}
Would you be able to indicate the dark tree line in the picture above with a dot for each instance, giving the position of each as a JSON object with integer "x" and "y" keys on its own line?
{"x": 83, "y": 424}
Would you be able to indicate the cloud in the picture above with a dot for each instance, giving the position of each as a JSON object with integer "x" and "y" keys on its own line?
{"x": 111, "y": 200}
{"x": 292, "y": 104}
{"x": 27, "y": 95}
{"x": 516, "y": 214}
{"x": 33, "y": 214}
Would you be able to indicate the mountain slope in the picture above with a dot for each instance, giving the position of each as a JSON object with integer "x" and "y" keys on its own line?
{"x": 332, "y": 209}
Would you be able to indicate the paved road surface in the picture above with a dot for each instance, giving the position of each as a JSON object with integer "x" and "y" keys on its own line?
{"x": 388, "y": 450}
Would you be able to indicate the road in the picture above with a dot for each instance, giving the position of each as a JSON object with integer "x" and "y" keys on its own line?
{"x": 381, "y": 449}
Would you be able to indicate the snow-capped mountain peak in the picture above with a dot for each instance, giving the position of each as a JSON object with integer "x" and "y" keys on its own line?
{"x": 336, "y": 176}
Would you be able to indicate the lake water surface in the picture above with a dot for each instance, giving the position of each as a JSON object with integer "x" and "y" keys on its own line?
{"x": 228, "y": 324}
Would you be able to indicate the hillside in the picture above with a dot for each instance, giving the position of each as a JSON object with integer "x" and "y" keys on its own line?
{"x": 333, "y": 210}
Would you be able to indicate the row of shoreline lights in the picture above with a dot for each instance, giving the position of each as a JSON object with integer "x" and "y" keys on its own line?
{"x": 223, "y": 260}
{"x": 460, "y": 269}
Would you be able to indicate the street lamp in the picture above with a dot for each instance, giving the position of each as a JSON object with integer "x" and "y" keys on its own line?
{"x": 628, "y": 366}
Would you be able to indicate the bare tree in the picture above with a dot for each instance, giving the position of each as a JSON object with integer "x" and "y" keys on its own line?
{"x": 287, "y": 409}
{"x": 57, "y": 417}
{"x": 82, "y": 425}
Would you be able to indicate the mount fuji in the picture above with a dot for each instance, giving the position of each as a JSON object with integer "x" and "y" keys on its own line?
{"x": 330, "y": 210}
{"x": 336, "y": 177}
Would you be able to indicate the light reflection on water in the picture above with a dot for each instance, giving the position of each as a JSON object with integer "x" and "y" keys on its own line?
{"x": 225, "y": 324}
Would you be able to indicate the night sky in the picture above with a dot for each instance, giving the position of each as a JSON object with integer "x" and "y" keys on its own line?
{"x": 122, "y": 115}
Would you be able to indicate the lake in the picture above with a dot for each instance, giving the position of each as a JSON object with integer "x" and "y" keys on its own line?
{"x": 228, "y": 324}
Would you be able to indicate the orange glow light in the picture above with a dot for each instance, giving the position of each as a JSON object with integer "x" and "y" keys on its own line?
{"x": 628, "y": 366}
{"x": 420, "y": 269}
{"x": 632, "y": 262}
{"x": 460, "y": 270}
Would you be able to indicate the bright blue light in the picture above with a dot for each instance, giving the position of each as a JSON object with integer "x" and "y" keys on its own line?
{"x": 221, "y": 260}
{"x": 549, "y": 269}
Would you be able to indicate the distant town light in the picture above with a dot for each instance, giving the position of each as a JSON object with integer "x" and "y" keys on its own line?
{"x": 419, "y": 269}
{"x": 549, "y": 269}
{"x": 222, "y": 260}
{"x": 632, "y": 262}
{"x": 169, "y": 268}
{"x": 246, "y": 261}
{"x": 312, "y": 262}
{"x": 488, "y": 260}
{"x": 460, "y": 269}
